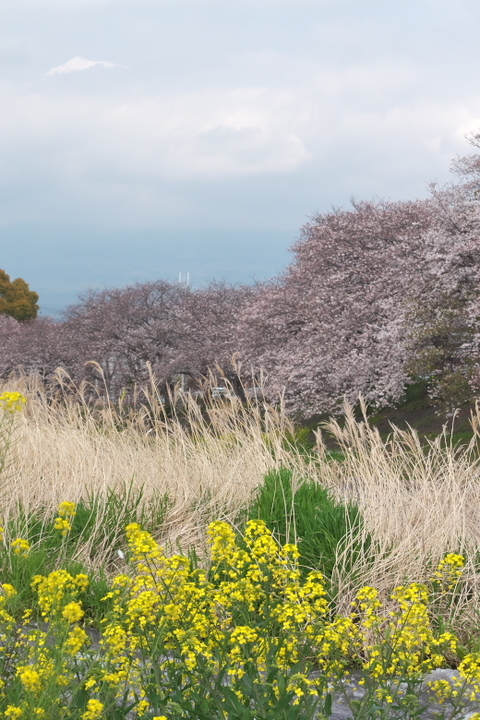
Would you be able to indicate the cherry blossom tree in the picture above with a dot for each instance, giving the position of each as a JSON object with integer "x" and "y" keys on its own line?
{"x": 168, "y": 328}
{"x": 35, "y": 346}
{"x": 444, "y": 328}
{"x": 332, "y": 325}
{"x": 374, "y": 296}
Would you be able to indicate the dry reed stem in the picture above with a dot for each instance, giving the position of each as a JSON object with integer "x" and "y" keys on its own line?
{"x": 66, "y": 450}
{"x": 418, "y": 503}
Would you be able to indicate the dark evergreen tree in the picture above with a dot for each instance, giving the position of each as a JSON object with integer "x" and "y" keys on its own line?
{"x": 16, "y": 298}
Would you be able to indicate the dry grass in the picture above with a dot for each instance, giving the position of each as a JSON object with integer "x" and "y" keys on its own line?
{"x": 418, "y": 503}
{"x": 67, "y": 449}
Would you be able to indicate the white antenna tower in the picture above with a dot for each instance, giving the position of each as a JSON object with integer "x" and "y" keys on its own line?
{"x": 184, "y": 279}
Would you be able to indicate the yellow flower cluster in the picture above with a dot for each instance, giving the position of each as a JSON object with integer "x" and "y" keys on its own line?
{"x": 301, "y": 685}
{"x": 12, "y": 402}
{"x": 66, "y": 513}
{"x": 94, "y": 710}
{"x": 75, "y": 641}
{"x": 404, "y": 643}
{"x": 469, "y": 670}
{"x": 41, "y": 671}
{"x": 249, "y": 612}
{"x": 30, "y": 678}
{"x": 7, "y": 621}
{"x": 57, "y": 587}
{"x": 13, "y": 712}
{"x": 450, "y": 569}
{"x": 225, "y": 618}
{"x": 72, "y": 612}
{"x": 197, "y": 617}
{"x": 8, "y": 591}
{"x": 469, "y": 679}
{"x": 21, "y": 547}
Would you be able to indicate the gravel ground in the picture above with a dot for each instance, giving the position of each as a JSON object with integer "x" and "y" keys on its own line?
{"x": 432, "y": 709}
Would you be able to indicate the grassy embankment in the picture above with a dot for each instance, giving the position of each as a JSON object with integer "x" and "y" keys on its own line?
{"x": 188, "y": 631}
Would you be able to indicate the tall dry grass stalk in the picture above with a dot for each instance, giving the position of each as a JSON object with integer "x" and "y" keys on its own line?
{"x": 207, "y": 462}
{"x": 418, "y": 502}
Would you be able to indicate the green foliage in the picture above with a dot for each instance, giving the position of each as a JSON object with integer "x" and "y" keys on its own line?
{"x": 311, "y": 517}
{"x": 416, "y": 395}
{"x": 91, "y": 546}
{"x": 443, "y": 351}
{"x": 16, "y": 298}
{"x": 301, "y": 439}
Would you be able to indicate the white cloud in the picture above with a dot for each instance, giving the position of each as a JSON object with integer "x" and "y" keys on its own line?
{"x": 352, "y": 126}
{"x": 79, "y": 63}
{"x": 183, "y": 136}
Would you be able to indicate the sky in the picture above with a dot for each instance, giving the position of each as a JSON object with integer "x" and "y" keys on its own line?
{"x": 144, "y": 138}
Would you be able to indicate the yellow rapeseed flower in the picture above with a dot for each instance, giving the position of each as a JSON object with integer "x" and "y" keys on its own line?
{"x": 66, "y": 513}
{"x": 63, "y": 525}
{"x": 8, "y": 590}
{"x": 12, "y": 402}
{"x": 29, "y": 678}
{"x": 94, "y": 710}
{"x": 442, "y": 689}
{"x": 469, "y": 668}
{"x": 142, "y": 544}
{"x": 81, "y": 581}
{"x": 67, "y": 509}
{"x": 450, "y": 569}
{"x": 55, "y": 587}
{"x": 76, "y": 639}
{"x": 142, "y": 706}
{"x": 301, "y": 685}
{"x": 201, "y": 617}
{"x": 13, "y": 712}
{"x": 21, "y": 547}
{"x": 73, "y": 612}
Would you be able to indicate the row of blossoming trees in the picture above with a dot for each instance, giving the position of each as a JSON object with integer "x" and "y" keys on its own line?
{"x": 374, "y": 296}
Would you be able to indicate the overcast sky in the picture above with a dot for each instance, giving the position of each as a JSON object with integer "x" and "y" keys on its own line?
{"x": 143, "y": 138}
